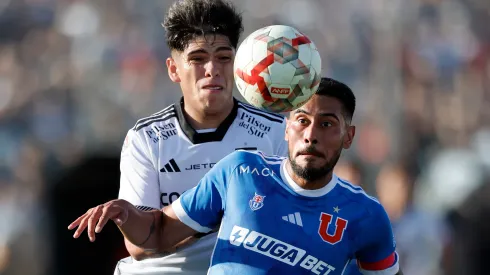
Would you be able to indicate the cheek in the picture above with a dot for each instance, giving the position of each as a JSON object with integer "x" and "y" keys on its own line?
{"x": 333, "y": 136}
{"x": 193, "y": 72}
{"x": 296, "y": 127}
{"x": 184, "y": 70}
{"x": 186, "y": 80}
{"x": 198, "y": 72}
{"x": 294, "y": 133}
{"x": 228, "y": 71}
{"x": 292, "y": 136}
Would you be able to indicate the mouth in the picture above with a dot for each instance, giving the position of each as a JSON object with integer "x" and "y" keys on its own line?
{"x": 212, "y": 87}
{"x": 310, "y": 154}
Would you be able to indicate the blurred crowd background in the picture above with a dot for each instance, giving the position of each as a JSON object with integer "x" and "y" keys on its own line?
{"x": 75, "y": 75}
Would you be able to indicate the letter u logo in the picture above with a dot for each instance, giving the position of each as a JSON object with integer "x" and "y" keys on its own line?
{"x": 340, "y": 225}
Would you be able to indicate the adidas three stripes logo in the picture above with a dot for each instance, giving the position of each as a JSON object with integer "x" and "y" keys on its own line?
{"x": 171, "y": 166}
{"x": 294, "y": 219}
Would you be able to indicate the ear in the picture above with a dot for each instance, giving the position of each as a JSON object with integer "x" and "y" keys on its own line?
{"x": 173, "y": 72}
{"x": 349, "y": 136}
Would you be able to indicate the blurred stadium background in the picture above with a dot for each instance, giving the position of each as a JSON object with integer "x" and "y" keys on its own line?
{"x": 75, "y": 75}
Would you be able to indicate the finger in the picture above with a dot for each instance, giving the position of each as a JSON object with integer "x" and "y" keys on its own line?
{"x": 116, "y": 213}
{"x": 81, "y": 226}
{"x": 79, "y": 219}
{"x": 122, "y": 216}
{"x": 106, "y": 215}
{"x": 76, "y": 222}
{"x": 96, "y": 213}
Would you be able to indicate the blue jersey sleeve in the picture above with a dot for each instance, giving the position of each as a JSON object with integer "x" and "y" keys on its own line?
{"x": 376, "y": 244}
{"x": 202, "y": 207}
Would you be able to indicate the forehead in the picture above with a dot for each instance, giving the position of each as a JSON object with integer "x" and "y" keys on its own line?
{"x": 319, "y": 104}
{"x": 208, "y": 43}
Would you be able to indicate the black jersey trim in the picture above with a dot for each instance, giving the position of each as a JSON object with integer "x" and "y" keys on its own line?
{"x": 158, "y": 115}
{"x": 250, "y": 107}
{"x": 197, "y": 138}
{"x": 272, "y": 117}
{"x": 145, "y": 208}
{"x": 165, "y": 117}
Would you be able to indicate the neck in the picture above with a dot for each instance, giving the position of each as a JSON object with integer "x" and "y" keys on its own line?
{"x": 200, "y": 119}
{"x": 307, "y": 184}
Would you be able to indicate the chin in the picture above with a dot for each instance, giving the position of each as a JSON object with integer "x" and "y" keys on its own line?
{"x": 310, "y": 163}
{"x": 308, "y": 159}
{"x": 217, "y": 98}
{"x": 215, "y": 105}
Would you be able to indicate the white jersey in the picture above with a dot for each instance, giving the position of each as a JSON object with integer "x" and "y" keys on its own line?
{"x": 163, "y": 156}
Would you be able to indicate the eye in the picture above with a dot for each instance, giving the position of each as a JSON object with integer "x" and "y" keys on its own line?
{"x": 302, "y": 120}
{"x": 196, "y": 59}
{"x": 224, "y": 58}
{"x": 326, "y": 124}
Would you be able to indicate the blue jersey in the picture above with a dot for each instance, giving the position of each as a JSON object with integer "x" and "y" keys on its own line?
{"x": 269, "y": 225}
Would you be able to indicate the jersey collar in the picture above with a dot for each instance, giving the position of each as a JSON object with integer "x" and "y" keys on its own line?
{"x": 286, "y": 178}
{"x": 196, "y": 137}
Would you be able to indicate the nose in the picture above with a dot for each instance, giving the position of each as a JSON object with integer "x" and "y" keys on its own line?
{"x": 310, "y": 135}
{"x": 212, "y": 68}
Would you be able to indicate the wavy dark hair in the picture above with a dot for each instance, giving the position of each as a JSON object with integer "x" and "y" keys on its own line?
{"x": 187, "y": 19}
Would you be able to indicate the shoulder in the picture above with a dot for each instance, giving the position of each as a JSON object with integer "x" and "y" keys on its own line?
{"x": 256, "y": 156}
{"x": 239, "y": 157}
{"x": 247, "y": 111}
{"x": 157, "y": 118}
{"x": 160, "y": 126}
{"x": 356, "y": 193}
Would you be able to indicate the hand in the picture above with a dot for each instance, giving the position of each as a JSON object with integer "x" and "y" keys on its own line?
{"x": 96, "y": 218}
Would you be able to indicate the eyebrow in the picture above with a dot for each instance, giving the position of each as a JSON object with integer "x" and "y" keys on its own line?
{"x": 201, "y": 50}
{"x": 301, "y": 111}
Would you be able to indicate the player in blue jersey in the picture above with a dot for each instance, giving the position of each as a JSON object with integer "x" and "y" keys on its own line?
{"x": 275, "y": 215}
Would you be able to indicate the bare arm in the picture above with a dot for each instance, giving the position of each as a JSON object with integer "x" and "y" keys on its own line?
{"x": 137, "y": 252}
{"x": 140, "y": 253}
{"x": 153, "y": 232}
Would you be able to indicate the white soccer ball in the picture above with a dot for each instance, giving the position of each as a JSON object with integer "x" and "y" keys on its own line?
{"x": 277, "y": 68}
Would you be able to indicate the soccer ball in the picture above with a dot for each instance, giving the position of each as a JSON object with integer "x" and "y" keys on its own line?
{"x": 277, "y": 68}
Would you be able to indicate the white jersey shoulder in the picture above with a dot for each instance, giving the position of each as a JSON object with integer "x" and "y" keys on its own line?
{"x": 139, "y": 182}
{"x": 163, "y": 156}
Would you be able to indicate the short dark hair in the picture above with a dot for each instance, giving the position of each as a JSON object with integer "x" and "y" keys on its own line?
{"x": 187, "y": 19}
{"x": 333, "y": 88}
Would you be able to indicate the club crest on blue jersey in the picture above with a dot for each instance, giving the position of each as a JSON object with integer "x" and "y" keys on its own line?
{"x": 256, "y": 202}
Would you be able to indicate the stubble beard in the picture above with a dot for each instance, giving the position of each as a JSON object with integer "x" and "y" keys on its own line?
{"x": 312, "y": 173}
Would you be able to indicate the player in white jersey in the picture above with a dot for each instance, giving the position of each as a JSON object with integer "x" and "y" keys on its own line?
{"x": 169, "y": 152}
